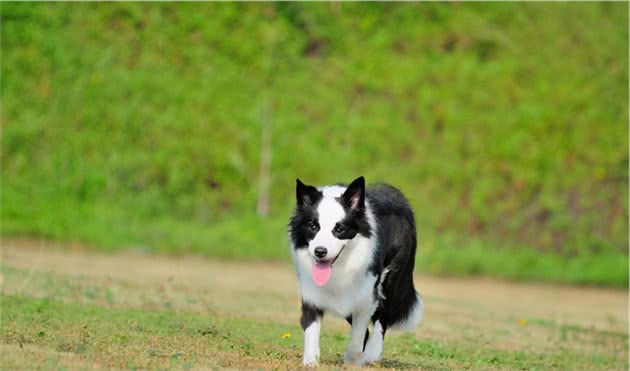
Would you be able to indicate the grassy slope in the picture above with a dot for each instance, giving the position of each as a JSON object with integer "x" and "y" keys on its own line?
{"x": 505, "y": 124}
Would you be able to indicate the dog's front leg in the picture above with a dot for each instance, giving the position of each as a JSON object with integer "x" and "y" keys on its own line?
{"x": 354, "y": 352}
{"x": 374, "y": 347}
{"x": 311, "y": 322}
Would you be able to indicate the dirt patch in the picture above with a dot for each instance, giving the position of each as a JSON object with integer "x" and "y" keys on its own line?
{"x": 519, "y": 316}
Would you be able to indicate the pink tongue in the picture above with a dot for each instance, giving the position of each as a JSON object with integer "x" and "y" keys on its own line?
{"x": 321, "y": 273}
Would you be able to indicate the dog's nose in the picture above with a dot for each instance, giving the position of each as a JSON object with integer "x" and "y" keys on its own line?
{"x": 320, "y": 252}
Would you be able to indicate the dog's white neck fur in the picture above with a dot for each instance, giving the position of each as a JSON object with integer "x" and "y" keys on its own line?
{"x": 351, "y": 285}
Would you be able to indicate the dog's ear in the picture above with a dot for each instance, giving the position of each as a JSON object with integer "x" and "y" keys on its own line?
{"x": 306, "y": 194}
{"x": 354, "y": 196}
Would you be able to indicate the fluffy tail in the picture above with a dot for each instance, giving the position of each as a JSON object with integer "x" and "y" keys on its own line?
{"x": 416, "y": 313}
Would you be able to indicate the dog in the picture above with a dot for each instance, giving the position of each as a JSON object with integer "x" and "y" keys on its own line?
{"x": 354, "y": 252}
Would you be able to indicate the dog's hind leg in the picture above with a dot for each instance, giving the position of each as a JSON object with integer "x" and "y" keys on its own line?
{"x": 311, "y": 322}
{"x": 374, "y": 347}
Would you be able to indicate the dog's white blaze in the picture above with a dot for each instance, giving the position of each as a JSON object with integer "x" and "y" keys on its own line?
{"x": 333, "y": 191}
{"x": 311, "y": 343}
{"x": 374, "y": 346}
{"x": 330, "y": 213}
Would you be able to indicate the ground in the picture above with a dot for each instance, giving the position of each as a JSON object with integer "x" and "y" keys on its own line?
{"x": 65, "y": 307}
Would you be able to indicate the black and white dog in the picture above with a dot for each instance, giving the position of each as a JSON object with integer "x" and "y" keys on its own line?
{"x": 354, "y": 251}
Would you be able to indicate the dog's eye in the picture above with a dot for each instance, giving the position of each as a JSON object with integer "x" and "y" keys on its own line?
{"x": 312, "y": 225}
{"x": 339, "y": 229}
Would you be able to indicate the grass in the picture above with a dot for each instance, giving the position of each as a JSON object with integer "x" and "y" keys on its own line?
{"x": 138, "y": 125}
{"x": 157, "y": 317}
{"x": 87, "y": 335}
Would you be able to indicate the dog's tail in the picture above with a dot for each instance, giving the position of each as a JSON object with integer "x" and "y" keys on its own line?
{"x": 414, "y": 317}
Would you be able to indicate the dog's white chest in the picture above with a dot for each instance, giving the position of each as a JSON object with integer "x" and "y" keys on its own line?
{"x": 351, "y": 286}
{"x": 339, "y": 296}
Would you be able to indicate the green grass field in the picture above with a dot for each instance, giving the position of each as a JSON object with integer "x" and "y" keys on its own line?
{"x": 139, "y": 126}
{"x": 63, "y": 309}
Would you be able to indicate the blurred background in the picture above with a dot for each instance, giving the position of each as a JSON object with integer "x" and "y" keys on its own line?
{"x": 181, "y": 128}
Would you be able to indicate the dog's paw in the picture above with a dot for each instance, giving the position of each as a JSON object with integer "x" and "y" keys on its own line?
{"x": 368, "y": 359}
{"x": 372, "y": 354}
{"x": 310, "y": 361}
{"x": 354, "y": 357}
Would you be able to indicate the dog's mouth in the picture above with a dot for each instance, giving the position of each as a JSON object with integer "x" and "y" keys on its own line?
{"x": 322, "y": 269}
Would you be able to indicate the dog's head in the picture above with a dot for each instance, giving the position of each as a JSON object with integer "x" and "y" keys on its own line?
{"x": 325, "y": 220}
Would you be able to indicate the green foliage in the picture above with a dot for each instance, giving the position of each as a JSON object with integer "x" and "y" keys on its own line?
{"x": 505, "y": 124}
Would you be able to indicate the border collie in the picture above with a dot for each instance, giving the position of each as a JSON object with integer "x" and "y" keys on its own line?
{"x": 354, "y": 251}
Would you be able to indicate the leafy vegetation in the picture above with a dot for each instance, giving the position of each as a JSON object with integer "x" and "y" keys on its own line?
{"x": 505, "y": 124}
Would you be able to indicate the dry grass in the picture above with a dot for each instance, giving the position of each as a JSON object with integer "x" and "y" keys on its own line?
{"x": 557, "y": 323}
